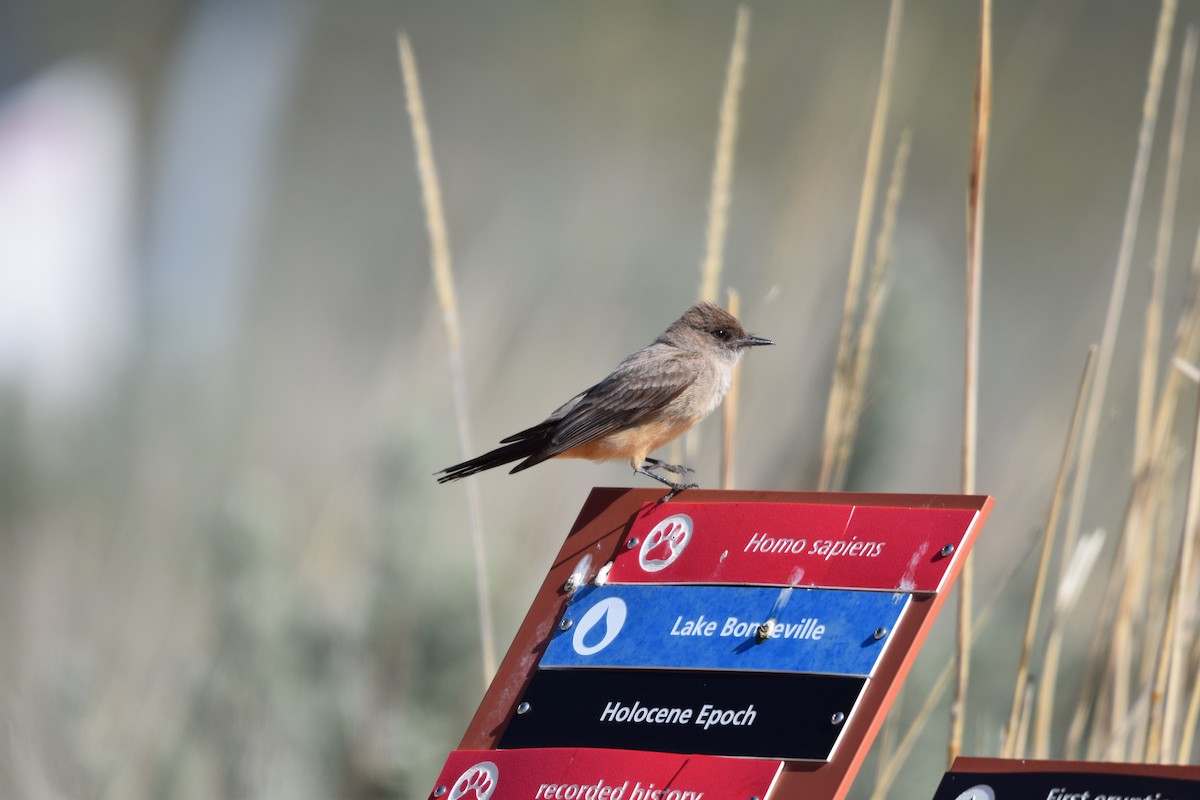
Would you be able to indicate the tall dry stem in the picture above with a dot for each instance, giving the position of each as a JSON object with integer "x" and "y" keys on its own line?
{"x": 976, "y": 186}
{"x": 877, "y": 291}
{"x": 835, "y": 416}
{"x": 1190, "y": 722}
{"x": 1178, "y": 633}
{"x": 1162, "y": 255}
{"x": 721, "y": 191}
{"x": 1020, "y": 699}
{"x": 722, "y": 175}
{"x": 1090, "y": 706}
{"x": 439, "y": 241}
{"x": 1116, "y": 303}
{"x": 729, "y": 412}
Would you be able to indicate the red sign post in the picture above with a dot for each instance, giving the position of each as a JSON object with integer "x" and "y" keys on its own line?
{"x": 910, "y": 547}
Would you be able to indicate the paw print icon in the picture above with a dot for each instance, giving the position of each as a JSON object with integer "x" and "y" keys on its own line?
{"x": 665, "y": 542}
{"x": 477, "y": 783}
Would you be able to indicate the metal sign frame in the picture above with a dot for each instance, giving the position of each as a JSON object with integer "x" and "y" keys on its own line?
{"x": 603, "y": 521}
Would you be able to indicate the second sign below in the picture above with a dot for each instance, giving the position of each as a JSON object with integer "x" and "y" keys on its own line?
{"x": 721, "y": 627}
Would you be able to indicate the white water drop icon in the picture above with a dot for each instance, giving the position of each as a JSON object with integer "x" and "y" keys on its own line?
{"x": 611, "y": 612}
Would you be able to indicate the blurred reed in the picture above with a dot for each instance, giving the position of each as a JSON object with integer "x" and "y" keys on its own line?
{"x": 836, "y": 417}
{"x": 729, "y": 411}
{"x": 720, "y": 196}
{"x": 854, "y": 395}
{"x": 1111, "y": 323}
{"x": 439, "y": 243}
{"x": 722, "y": 174}
{"x": 1016, "y": 733}
{"x": 1159, "y": 727}
{"x": 976, "y": 185}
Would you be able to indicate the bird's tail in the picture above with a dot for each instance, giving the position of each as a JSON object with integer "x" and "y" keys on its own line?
{"x": 498, "y": 457}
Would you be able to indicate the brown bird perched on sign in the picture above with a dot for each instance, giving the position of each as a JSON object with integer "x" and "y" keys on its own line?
{"x": 650, "y": 399}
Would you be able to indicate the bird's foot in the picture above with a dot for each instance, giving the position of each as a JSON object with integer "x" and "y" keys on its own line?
{"x": 677, "y": 469}
{"x": 676, "y": 488}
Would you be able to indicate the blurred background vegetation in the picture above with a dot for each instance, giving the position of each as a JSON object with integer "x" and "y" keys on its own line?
{"x": 225, "y": 567}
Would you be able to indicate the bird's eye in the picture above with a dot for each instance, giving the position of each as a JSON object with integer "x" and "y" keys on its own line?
{"x": 722, "y": 334}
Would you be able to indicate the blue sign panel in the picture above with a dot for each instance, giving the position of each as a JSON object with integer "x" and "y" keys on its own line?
{"x": 826, "y": 631}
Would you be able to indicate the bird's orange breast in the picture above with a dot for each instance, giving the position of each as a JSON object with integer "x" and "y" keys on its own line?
{"x": 632, "y": 444}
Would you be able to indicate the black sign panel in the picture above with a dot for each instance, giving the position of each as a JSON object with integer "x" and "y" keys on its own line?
{"x": 770, "y": 715}
{"x": 1062, "y": 786}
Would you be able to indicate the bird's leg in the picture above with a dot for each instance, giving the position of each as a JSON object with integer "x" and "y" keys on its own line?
{"x": 678, "y": 469}
{"x": 676, "y": 488}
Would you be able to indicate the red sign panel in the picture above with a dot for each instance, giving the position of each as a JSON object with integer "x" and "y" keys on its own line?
{"x": 790, "y": 544}
{"x": 589, "y": 774}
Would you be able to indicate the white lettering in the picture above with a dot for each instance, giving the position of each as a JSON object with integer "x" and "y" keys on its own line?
{"x": 807, "y": 628}
{"x": 761, "y": 543}
{"x": 710, "y": 716}
{"x": 583, "y": 791}
{"x": 654, "y": 715}
{"x": 694, "y": 627}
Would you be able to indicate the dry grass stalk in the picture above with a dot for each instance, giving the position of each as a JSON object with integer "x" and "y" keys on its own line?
{"x": 722, "y": 177}
{"x": 1156, "y": 742}
{"x": 1190, "y": 722}
{"x": 1016, "y": 730}
{"x": 1143, "y": 562}
{"x": 1180, "y": 635}
{"x": 1021, "y": 740}
{"x": 1162, "y": 255}
{"x": 729, "y": 412}
{"x": 721, "y": 191}
{"x": 1146, "y": 486}
{"x": 844, "y": 365}
{"x": 976, "y": 186}
{"x": 1117, "y": 294}
{"x": 1132, "y": 554}
{"x": 1075, "y": 572}
{"x": 1116, "y": 303}
{"x": 1163, "y": 711}
{"x": 435, "y": 221}
{"x": 877, "y": 291}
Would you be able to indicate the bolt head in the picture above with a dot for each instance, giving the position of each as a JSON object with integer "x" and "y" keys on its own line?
{"x": 523, "y": 707}
{"x": 947, "y": 550}
{"x": 632, "y": 543}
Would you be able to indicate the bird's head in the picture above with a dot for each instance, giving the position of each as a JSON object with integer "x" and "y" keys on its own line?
{"x": 709, "y": 327}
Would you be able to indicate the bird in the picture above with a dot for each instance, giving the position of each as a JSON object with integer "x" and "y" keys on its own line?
{"x": 651, "y": 398}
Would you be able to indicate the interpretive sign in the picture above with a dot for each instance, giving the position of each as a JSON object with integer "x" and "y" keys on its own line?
{"x": 731, "y": 628}
{"x": 845, "y": 546}
{"x": 577, "y": 774}
{"x": 766, "y": 714}
{"x": 721, "y": 627}
{"x": 1008, "y": 779}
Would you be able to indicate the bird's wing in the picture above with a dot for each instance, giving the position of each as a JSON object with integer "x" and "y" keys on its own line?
{"x": 635, "y": 390}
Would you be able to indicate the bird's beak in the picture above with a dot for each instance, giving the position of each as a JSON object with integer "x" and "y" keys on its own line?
{"x": 753, "y": 341}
